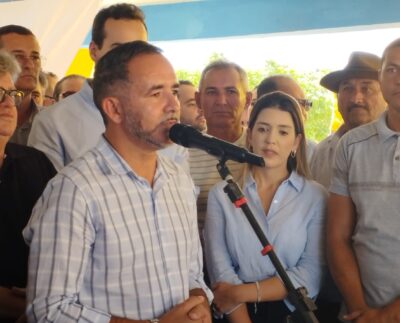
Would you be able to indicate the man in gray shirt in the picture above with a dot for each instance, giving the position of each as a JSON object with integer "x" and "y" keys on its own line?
{"x": 363, "y": 210}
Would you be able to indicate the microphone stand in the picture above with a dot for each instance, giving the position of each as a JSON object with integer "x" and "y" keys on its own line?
{"x": 297, "y": 297}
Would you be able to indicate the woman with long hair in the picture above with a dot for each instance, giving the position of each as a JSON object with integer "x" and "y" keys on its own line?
{"x": 288, "y": 206}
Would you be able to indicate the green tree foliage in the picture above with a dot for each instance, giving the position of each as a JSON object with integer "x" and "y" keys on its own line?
{"x": 318, "y": 124}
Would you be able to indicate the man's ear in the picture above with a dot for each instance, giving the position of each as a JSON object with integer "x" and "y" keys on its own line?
{"x": 249, "y": 97}
{"x": 93, "y": 51}
{"x": 112, "y": 109}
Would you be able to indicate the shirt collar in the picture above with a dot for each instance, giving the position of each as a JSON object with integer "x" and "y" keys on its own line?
{"x": 383, "y": 130}
{"x": 86, "y": 93}
{"x": 113, "y": 163}
{"x": 294, "y": 180}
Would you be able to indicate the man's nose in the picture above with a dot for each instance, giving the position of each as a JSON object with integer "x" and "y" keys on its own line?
{"x": 221, "y": 98}
{"x": 358, "y": 96}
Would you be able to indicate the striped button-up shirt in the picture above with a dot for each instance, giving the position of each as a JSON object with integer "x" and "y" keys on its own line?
{"x": 103, "y": 242}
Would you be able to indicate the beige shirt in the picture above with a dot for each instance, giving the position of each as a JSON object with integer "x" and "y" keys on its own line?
{"x": 205, "y": 174}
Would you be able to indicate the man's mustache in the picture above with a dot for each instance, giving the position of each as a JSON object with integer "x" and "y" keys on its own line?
{"x": 360, "y": 106}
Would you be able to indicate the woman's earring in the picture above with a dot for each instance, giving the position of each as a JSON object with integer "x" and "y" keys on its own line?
{"x": 293, "y": 153}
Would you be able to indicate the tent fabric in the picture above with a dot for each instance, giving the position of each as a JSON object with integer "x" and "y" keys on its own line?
{"x": 60, "y": 26}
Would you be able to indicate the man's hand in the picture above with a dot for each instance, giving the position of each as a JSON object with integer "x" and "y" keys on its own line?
{"x": 389, "y": 314}
{"x": 194, "y": 309}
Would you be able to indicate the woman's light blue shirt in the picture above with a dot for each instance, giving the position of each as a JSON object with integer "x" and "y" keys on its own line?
{"x": 294, "y": 226}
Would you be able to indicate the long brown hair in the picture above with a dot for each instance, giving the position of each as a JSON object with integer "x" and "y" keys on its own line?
{"x": 284, "y": 102}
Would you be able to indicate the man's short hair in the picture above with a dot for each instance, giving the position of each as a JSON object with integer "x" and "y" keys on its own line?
{"x": 393, "y": 44}
{"x": 118, "y": 11}
{"x": 185, "y": 82}
{"x": 57, "y": 87}
{"x": 112, "y": 69}
{"x": 14, "y": 29}
{"x": 224, "y": 64}
{"x": 8, "y": 64}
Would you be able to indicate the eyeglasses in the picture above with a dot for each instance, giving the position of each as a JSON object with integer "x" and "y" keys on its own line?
{"x": 306, "y": 104}
{"x": 66, "y": 94}
{"x": 15, "y": 95}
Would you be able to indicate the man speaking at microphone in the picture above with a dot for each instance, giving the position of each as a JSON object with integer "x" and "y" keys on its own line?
{"x": 114, "y": 236}
{"x": 223, "y": 95}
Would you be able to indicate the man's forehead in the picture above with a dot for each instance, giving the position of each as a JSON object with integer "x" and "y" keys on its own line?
{"x": 17, "y": 42}
{"x": 223, "y": 73}
{"x": 361, "y": 81}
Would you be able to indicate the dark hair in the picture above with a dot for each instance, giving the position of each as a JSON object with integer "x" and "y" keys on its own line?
{"x": 185, "y": 82}
{"x": 223, "y": 64}
{"x": 285, "y": 102}
{"x": 14, "y": 29}
{"x": 112, "y": 69}
{"x": 393, "y": 44}
{"x": 117, "y": 11}
{"x": 270, "y": 84}
{"x": 57, "y": 87}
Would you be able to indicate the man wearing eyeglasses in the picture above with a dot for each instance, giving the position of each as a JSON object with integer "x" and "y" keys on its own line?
{"x": 22, "y": 43}
{"x": 288, "y": 85}
{"x": 24, "y": 172}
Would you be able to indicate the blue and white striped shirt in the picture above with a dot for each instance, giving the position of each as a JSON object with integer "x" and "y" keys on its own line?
{"x": 104, "y": 243}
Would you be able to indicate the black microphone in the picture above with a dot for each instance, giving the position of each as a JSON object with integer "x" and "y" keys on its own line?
{"x": 189, "y": 137}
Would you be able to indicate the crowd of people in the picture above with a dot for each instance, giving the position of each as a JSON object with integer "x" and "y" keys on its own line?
{"x": 104, "y": 219}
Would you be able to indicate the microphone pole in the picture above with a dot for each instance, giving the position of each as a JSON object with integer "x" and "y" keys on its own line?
{"x": 297, "y": 297}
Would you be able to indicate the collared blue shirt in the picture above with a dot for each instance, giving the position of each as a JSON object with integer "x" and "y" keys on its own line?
{"x": 104, "y": 242}
{"x": 367, "y": 169}
{"x": 294, "y": 226}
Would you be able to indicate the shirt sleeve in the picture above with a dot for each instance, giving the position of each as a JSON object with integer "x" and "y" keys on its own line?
{"x": 339, "y": 181}
{"x": 60, "y": 234}
{"x": 219, "y": 263}
{"x": 196, "y": 267}
{"x": 309, "y": 269}
{"x": 44, "y": 137}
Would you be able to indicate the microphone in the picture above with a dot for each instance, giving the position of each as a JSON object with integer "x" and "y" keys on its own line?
{"x": 189, "y": 137}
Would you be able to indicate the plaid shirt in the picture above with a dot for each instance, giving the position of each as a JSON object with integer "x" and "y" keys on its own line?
{"x": 104, "y": 242}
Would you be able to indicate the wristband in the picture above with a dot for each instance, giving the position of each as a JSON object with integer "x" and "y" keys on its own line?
{"x": 258, "y": 296}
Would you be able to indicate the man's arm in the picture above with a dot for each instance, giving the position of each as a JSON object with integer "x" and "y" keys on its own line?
{"x": 12, "y": 304}
{"x": 60, "y": 234}
{"x": 342, "y": 262}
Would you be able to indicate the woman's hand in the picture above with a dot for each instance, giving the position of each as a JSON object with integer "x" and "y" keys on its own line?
{"x": 225, "y": 297}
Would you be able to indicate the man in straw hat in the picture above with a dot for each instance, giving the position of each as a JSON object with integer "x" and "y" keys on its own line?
{"x": 363, "y": 209}
{"x": 359, "y": 101}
